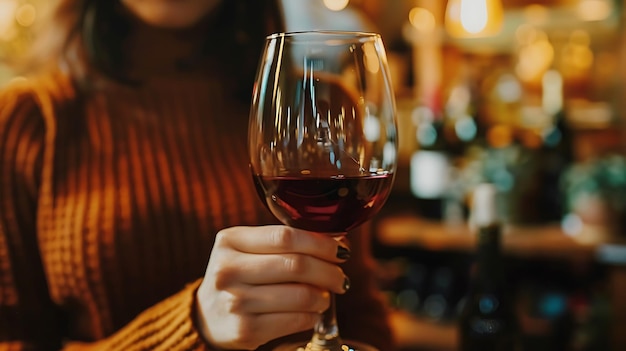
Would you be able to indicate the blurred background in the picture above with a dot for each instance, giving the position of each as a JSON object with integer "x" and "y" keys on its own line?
{"x": 527, "y": 95}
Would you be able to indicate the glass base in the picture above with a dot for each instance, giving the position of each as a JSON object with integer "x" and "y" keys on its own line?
{"x": 348, "y": 345}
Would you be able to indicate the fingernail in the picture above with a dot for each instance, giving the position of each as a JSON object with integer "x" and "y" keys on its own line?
{"x": 343, "y": 253}
{"x": 346, "y": 284}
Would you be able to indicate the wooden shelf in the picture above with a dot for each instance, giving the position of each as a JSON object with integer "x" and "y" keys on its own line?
{"x": 548, "y": 241}
{"x": 532, "y": 241}
{"x": 411, "y": 332}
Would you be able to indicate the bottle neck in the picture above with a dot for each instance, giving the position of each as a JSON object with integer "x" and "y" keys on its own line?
{"x": 488, "y": 254}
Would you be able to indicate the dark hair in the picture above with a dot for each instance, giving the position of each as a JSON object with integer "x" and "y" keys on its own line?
{"x": 101, "y": 31}
{"x": 90, "y": 37}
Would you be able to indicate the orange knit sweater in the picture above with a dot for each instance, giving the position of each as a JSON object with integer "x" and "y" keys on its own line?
{"x": 109, "y": 204}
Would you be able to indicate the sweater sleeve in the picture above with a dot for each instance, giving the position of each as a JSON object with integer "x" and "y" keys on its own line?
{"x": 28, "y": 318}
{"x": 167, "y": 325}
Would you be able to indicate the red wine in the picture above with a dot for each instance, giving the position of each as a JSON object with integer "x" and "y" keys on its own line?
{"x": 330, "y": 205}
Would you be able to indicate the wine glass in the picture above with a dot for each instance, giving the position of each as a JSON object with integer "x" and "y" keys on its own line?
{"x": 323, "y": 139}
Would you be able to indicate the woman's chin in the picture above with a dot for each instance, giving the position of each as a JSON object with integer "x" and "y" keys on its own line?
{"x": 170, "y": 14}
{"x": 169, "y": 20}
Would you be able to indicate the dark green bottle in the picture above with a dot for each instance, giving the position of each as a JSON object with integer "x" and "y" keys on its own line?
{"x": 487, "y": 321}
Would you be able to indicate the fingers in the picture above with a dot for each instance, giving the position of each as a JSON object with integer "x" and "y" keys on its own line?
{"x": 255, "y": 330}
{"x": 282, "y": 239}
{"x": 280, "y": 324}
{"x": 277, "y": 255}
{"x": 246, "y": 318}
{"x": 251, "y": 269}
{"x": 280, "y": 298}
{"x": 265, "y": 282}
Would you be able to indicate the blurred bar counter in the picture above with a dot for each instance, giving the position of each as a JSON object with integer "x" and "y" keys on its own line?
{"x": 524, "y": 241}
{"x": 400, "y": 228}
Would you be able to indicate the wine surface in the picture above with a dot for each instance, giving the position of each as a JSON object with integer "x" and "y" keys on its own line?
{"x": 331, "y": 205}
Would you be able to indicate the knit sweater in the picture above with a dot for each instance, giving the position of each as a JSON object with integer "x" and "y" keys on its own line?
{"x": 109, "y": 206}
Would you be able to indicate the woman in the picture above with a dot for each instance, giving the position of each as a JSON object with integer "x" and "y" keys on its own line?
{"x": 124, "y": 169}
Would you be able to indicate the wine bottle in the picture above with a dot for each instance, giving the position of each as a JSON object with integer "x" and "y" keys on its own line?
{"x": 487, "y": 321}
{"x": 460, "y": 125}
{"x": 430, "y": 164}
{"x": 557, "y": 149}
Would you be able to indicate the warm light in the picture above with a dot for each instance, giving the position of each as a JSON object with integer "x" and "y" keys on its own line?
{"x": 474, "y": 18}
{"x": 509, "y": 89}
{"x": 526, "y": 34}
{"x": 580, "y": 37}
{"x": 535, "y": 56}
{"x": 536, "y": 14}
{"x": 594, "y": 10}
{"x": 370, "y": 58}
{"x": 26, "y": 15}
{"x": 336, "y": 5}
{"x": 422, "y": 19}
{"x": 7, "y": 13}
{"x": 552, "y": 92}
{"x": 500, "y": 135}
{"x": 577, "y": 56}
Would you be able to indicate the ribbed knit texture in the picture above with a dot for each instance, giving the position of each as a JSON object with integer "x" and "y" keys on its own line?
{"x": 108, "y": 213}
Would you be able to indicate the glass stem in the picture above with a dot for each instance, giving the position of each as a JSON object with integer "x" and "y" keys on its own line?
{"x": 326, "y": 332}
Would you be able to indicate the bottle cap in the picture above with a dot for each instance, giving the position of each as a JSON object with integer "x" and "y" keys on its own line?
{"x": 484, "y": 205}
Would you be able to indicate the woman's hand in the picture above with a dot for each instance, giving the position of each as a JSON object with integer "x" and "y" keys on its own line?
{"x": 266, "y": 282}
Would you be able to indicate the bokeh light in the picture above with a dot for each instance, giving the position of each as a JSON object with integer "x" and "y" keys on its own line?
{"x": 422, "y": 19}
{"x": 336, "y": 5}
{"x": 26, "y": 15}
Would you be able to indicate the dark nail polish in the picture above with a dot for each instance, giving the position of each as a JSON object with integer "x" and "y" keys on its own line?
{"x": 346, "y": 284}
{"x": 343, "y": 253}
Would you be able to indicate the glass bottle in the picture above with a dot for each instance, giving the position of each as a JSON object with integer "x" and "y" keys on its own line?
{"x": 487, "y": 321}
{"x": 557, "y": 149}
{"x": 430, "y": 164}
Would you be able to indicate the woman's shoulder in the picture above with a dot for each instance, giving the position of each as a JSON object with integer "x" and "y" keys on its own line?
{"x": 29, "y": 97}
{"x": 18, "y": 100}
